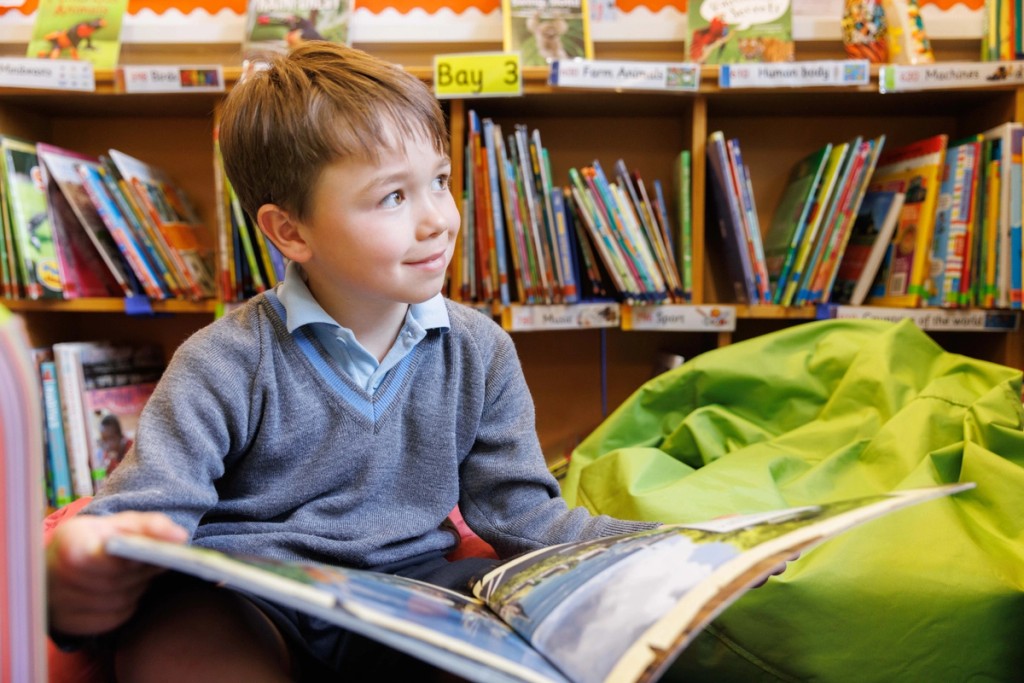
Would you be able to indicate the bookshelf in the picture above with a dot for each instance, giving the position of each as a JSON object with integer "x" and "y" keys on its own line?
{"x": 576, "y": 375}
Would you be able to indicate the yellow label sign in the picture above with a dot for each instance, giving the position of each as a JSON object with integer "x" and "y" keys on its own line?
{"x": 477, "y": 75}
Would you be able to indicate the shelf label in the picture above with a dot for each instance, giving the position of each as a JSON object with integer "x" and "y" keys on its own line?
{"x": 525, "y": 318}
{"x": 51, "y": 74}
{"x": 680, "y": 318}
{"x": 931, "y": 319}
{"x": 618, "y": 75}
{"x": 162, "y": 78}
{"x": 481, "y": 74}
{"x": 902, "y": 78}
{"x": 826, "y": 72}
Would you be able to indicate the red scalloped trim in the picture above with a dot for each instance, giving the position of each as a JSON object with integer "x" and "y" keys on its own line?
{"x": 405, "y": 6}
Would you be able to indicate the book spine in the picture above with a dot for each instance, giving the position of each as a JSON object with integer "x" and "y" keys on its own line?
{"x": 70, "y": 383}
{"x": 685, "y": 204}
{"x": 57, "y": 454}
{"x": 166, "y": 277}
{"x": 119, "y": 231}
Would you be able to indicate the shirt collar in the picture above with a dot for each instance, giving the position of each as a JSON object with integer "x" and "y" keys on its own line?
{"x": 302, "y": 309}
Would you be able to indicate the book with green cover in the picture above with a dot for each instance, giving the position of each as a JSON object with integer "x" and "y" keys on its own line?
{"x": 737, "y": 31}
{"x": 87, "y": 31}
{"x": 789, "y": 220}
{"x": 544, "y": 31}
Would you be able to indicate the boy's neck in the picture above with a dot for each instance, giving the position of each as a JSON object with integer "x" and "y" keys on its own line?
{"x": 375, "y": 325}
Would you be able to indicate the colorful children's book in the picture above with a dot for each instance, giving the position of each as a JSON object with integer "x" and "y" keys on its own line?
{"x": 831, "y": 179}
{"x": 62, "y": 167}
{"x": 148, "y": 275}
{"x": 953, "y": 217}
{"x": 1016, "y": 208}
{"x": 276, "y": 26}
{"x": 739, "y": 31}
{"x": 869, "y": 239}
{"x": 172, "y": 220}
{"x": 1003, "y": 135}
{"x": 743, "y": 189}
{"x": 845, "y": 217}
{"x": 613, "y": 609}
{"x": 789, "y": 220}
{"x": 22, "y": 582}
{"x": 56, "y": 448}
{"x": 112, "y": 415}
{"x": 853, "y": 161}
{"x": 88, "y": 31}
{"x": 29, "y": 219}
{"x": 729, "y": 217}
{"x": 543, "y": 31}
{"x": 684, "y": 242}
{"x": 914, "y": 169}
{"x": 84, "y": 367}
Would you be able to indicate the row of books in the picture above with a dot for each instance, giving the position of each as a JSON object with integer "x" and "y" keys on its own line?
{"x": 1002, "y": 35}
{"x": 248, "y": 263}
{"x": 527, "y": 239}
{"x": 930, "y": 223}
{"x": 92, "y": 395}
{"x": 75, "y": 226}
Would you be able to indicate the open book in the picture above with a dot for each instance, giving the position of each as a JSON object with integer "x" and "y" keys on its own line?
{"x": 546, "y": 616}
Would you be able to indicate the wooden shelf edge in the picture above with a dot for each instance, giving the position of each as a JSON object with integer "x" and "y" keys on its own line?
{"x": 106, "y": 305}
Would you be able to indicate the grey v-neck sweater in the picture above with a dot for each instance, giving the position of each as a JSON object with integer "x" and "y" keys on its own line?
{"x": 254, "y": 441}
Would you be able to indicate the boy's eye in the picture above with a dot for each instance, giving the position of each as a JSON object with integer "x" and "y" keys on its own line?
{"x": 441, "y": 182}
{"x": 392, "y": 200}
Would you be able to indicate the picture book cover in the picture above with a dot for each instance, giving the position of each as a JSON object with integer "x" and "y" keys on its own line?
{"x": 544, "y": 31}
{"x": 870, "y": 237}
{"x": 62, "y": 167}
{"x": 84, "y": 367}
{"x": 30, "y": 220}
{"x": 173, "y": 220}
{"x": 737, "y": 31}
{"x": 73, "y": 29}
{"x": 914, "y": 169}
{"x": 117, "y": 225}
{"x": 613, "y": 609}
{"x": 112, "y": 415}
{"x": 275, "y": 26}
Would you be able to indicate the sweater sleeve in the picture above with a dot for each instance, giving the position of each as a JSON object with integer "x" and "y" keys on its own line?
{"x": 198, "y": 416}
{"x": 508, "y": 496}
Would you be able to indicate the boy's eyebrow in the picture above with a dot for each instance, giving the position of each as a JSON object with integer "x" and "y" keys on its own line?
{"x": 443, "y": 163}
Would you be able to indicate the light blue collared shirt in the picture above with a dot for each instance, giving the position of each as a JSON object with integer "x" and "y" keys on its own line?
{"x": 302, "y": 309}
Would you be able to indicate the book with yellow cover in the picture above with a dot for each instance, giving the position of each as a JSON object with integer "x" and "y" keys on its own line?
{"x": 915, "y": 170}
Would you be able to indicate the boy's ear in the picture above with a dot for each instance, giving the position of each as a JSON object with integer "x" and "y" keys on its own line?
{"x": 283, "y": 230}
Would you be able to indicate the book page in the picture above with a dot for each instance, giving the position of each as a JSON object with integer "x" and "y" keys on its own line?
{"x": 442, "y": 627}
{"x": 656, "y": 589}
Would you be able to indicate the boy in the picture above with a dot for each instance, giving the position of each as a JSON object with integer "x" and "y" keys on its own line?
{"x": 338, "y": 418}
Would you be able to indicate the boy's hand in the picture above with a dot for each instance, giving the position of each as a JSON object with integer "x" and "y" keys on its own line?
{"x": 88, "y": 591}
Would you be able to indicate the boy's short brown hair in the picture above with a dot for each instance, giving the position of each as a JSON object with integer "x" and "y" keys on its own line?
{"x": 320, "y": 103}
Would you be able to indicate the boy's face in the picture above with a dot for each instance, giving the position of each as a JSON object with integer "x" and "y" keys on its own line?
{"x": 382, "y": 232}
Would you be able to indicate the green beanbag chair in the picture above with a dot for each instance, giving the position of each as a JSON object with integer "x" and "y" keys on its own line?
{"x": 823, "y": 411}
